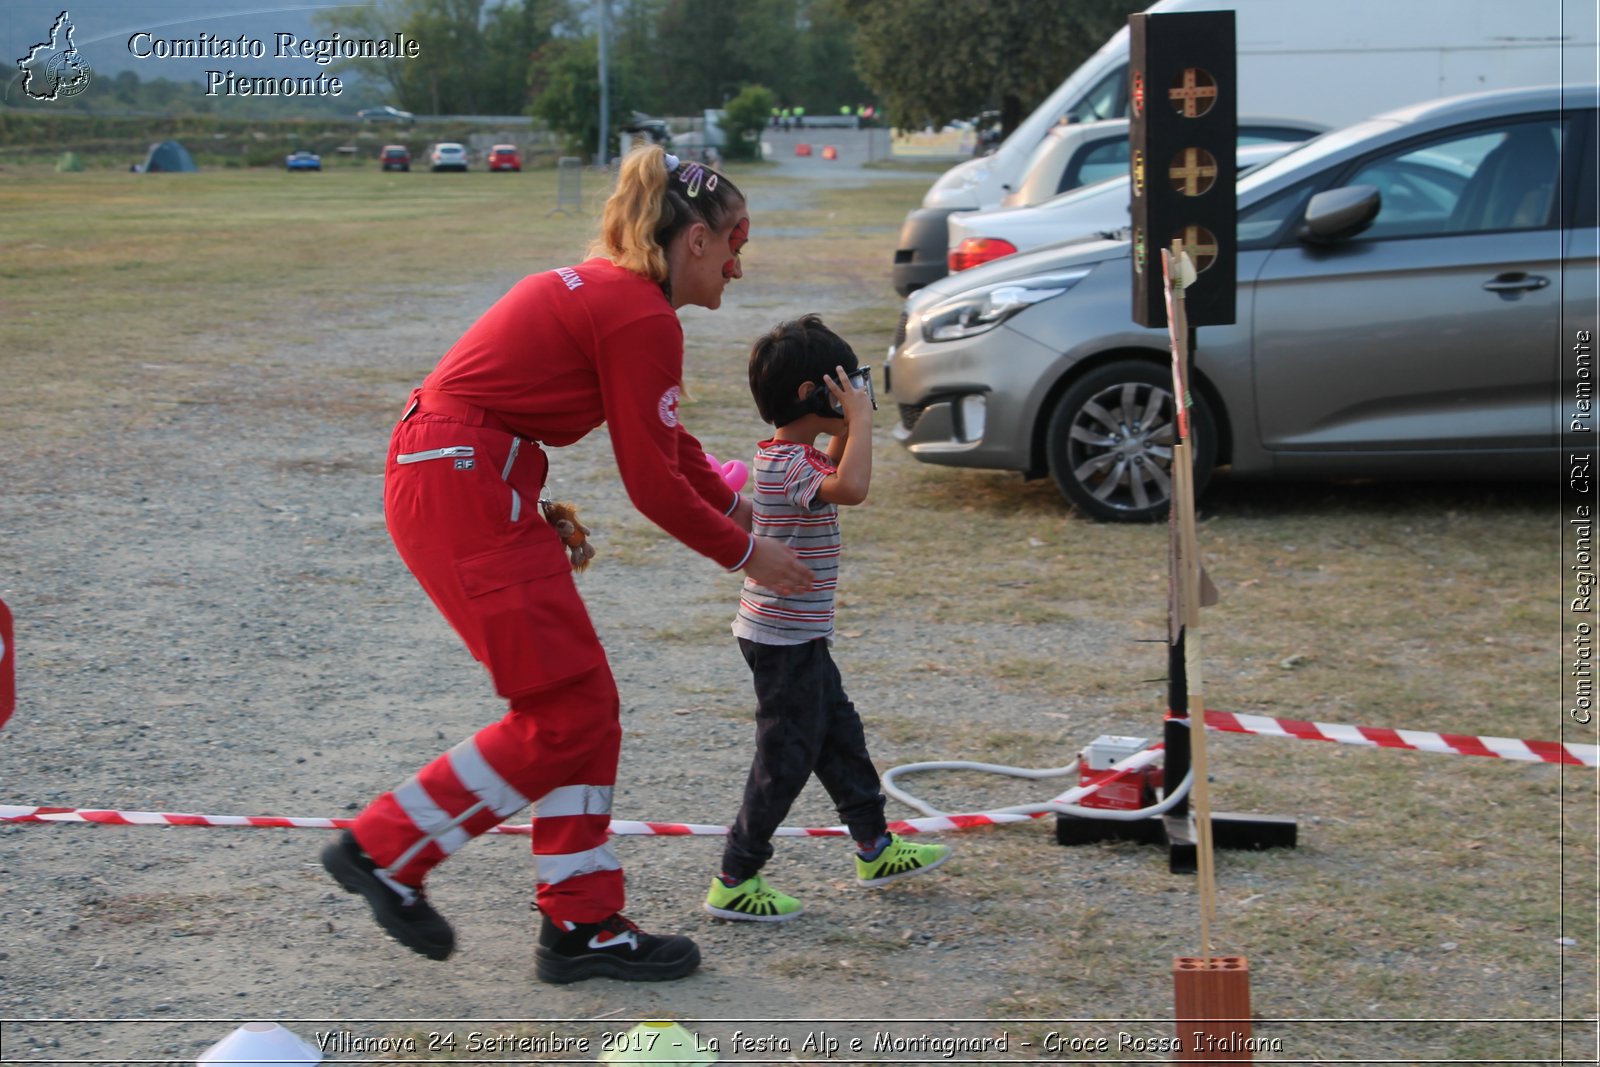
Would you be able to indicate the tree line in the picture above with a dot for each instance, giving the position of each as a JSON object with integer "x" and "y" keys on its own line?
{"x": 917, "y": 62}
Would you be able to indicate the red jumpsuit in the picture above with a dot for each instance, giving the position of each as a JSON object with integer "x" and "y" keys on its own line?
{"x": 561, "y": 353}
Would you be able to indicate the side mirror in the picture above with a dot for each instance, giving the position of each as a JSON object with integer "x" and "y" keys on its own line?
{"x": 1339, "y": 214}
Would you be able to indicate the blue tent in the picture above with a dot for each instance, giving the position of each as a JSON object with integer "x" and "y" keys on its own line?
{"x": 168, "y": 157}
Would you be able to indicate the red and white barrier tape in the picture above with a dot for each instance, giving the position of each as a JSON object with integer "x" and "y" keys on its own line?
{"x": 18, "y": 814}
{"x": 1422, "y": 741}
{"x": 1419, "y": 740}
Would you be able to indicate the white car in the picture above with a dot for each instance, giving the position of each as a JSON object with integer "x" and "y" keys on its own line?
{"x": 1073, "y": 156}
{"x": 977, "y": 237}
{"x": 448, "y": 155}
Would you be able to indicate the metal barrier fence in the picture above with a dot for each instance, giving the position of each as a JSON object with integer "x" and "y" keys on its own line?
{"x": 569, "y": 186}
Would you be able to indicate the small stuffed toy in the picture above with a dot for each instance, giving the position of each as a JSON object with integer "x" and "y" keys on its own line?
{"x": 563, "y": 518}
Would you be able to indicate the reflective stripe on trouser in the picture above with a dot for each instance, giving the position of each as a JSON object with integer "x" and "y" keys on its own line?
{"x": 560, "y": 745}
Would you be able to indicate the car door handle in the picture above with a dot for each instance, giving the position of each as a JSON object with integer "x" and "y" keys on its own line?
{"x": 1516, "y": 282}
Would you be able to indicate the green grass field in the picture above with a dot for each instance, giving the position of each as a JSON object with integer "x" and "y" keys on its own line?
{"x": 1427, "y": 887}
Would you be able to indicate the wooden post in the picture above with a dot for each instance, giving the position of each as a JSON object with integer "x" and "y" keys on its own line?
{"x": 1212, "y": 992}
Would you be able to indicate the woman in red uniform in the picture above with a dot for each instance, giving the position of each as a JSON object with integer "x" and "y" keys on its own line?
{"x": 559, "y": 354}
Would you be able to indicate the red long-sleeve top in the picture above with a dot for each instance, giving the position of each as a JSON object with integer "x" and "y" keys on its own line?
{"x": 571, "y": 348}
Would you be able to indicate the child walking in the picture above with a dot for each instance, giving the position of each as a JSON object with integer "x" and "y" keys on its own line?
{"x": 806, "y": 381}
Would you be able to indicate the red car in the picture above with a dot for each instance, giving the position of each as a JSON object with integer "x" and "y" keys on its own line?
{"x": 504, "y": 157}
{"x": 396, "y": 157}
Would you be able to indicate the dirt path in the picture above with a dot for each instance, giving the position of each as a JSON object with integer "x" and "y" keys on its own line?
{"x": 210, "y": 618}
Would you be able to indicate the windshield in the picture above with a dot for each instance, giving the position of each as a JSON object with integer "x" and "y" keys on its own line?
{"x": 1084, "y": 192}
{"x": 1307, "y": 154}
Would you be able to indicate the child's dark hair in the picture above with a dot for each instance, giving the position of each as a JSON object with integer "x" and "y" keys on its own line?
{"x": 651, "y": 204}
{"x": 789, "y": 355}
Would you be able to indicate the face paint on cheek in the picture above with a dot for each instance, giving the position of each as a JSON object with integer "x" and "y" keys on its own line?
{"x": 736, "y": 240}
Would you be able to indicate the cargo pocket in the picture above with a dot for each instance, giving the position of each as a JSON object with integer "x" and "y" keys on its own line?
{"x": 533, "y": 628}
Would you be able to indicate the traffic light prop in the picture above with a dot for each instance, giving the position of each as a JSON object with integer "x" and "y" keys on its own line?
{"x": 1183, "y": 150}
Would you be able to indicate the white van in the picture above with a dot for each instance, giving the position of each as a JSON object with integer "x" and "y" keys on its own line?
{"x": 1332, "y": 63}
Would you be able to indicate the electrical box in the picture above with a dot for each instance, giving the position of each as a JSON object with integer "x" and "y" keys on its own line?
{"x": 1131, "y": 791}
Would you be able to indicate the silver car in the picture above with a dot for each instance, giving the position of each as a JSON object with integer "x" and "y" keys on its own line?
{"x": 978, "y": 237}
{"x": 1069, "y": 157}
{"x": 1401, "y": 288}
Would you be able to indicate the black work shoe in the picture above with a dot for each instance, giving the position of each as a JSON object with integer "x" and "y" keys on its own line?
{"x": 412, "y": 922}
{"x": 611, "y": 948}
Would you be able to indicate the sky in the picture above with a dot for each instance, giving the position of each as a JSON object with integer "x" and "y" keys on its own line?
{"x": 103, "y": 29}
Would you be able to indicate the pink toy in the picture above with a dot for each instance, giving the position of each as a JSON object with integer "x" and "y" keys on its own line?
{"x": 734, "y": 472}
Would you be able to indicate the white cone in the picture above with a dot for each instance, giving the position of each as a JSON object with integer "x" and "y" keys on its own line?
{"x": 260, "y": 1045}
{"x": 659, "y": 1041}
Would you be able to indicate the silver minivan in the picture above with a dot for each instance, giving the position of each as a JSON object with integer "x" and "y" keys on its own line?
{"x": 1401, "y": 288}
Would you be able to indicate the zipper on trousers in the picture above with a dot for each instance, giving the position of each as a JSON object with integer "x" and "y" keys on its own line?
{"x": 452, "y": 452}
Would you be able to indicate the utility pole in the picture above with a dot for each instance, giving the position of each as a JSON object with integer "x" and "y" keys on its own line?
{"x": 605, "y": 93}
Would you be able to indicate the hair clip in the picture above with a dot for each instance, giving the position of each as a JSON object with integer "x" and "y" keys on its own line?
{"x": 691, "y": 176}
{"x": 672, "y": 162}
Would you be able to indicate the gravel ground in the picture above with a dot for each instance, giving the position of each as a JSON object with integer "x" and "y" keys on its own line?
{"x": 211, "y": 618}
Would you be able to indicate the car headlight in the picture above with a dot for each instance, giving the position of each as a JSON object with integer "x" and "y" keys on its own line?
{"x": 983, "y": 309}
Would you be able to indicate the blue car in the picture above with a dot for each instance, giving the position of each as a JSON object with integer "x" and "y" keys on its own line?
{"x": 303, "y": 161}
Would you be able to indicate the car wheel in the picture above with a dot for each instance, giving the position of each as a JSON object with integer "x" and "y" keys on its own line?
{"x": 1110, "y": 442}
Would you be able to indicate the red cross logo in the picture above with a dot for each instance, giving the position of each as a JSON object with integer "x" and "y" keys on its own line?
{"x": 667, "y": 407}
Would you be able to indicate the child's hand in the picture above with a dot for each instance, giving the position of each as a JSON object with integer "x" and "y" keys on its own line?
{"x": 856, "y": 402}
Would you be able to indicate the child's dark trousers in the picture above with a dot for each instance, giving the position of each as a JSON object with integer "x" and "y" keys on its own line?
{"x": 804, "y": 724}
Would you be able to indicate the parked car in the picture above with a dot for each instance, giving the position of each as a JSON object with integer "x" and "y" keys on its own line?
{"x": 504, "y": 157}
{"x": 384, "y": 114}
{"x": 978, "y": 237}
{"x": 395, "y": 157}
{"x": 1074, "y": 156}
{"x": 448, "y": 155}
{"x": 302, "y": 160}
{"x": 1400, "y": 287}
{"x": 657, "y": 131}
{"x": 1068, "y": 157}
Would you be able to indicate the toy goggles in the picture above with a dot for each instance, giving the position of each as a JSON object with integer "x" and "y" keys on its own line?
{"x": 823, "y": 402}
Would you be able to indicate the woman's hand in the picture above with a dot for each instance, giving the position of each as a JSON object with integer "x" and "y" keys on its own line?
{"x": 776, "y": 567}
{"x": 743, "y": 513}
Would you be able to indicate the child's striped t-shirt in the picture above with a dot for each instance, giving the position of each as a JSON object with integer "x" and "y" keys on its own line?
{"x": 785, "y": 508}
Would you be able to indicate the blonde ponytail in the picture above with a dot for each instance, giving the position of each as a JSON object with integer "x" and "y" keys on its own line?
{"x": 648, "y": 207}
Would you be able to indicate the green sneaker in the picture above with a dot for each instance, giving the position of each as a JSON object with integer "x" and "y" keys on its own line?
{"x": 752, "y": 900}
{"x": 900, "y": 859}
